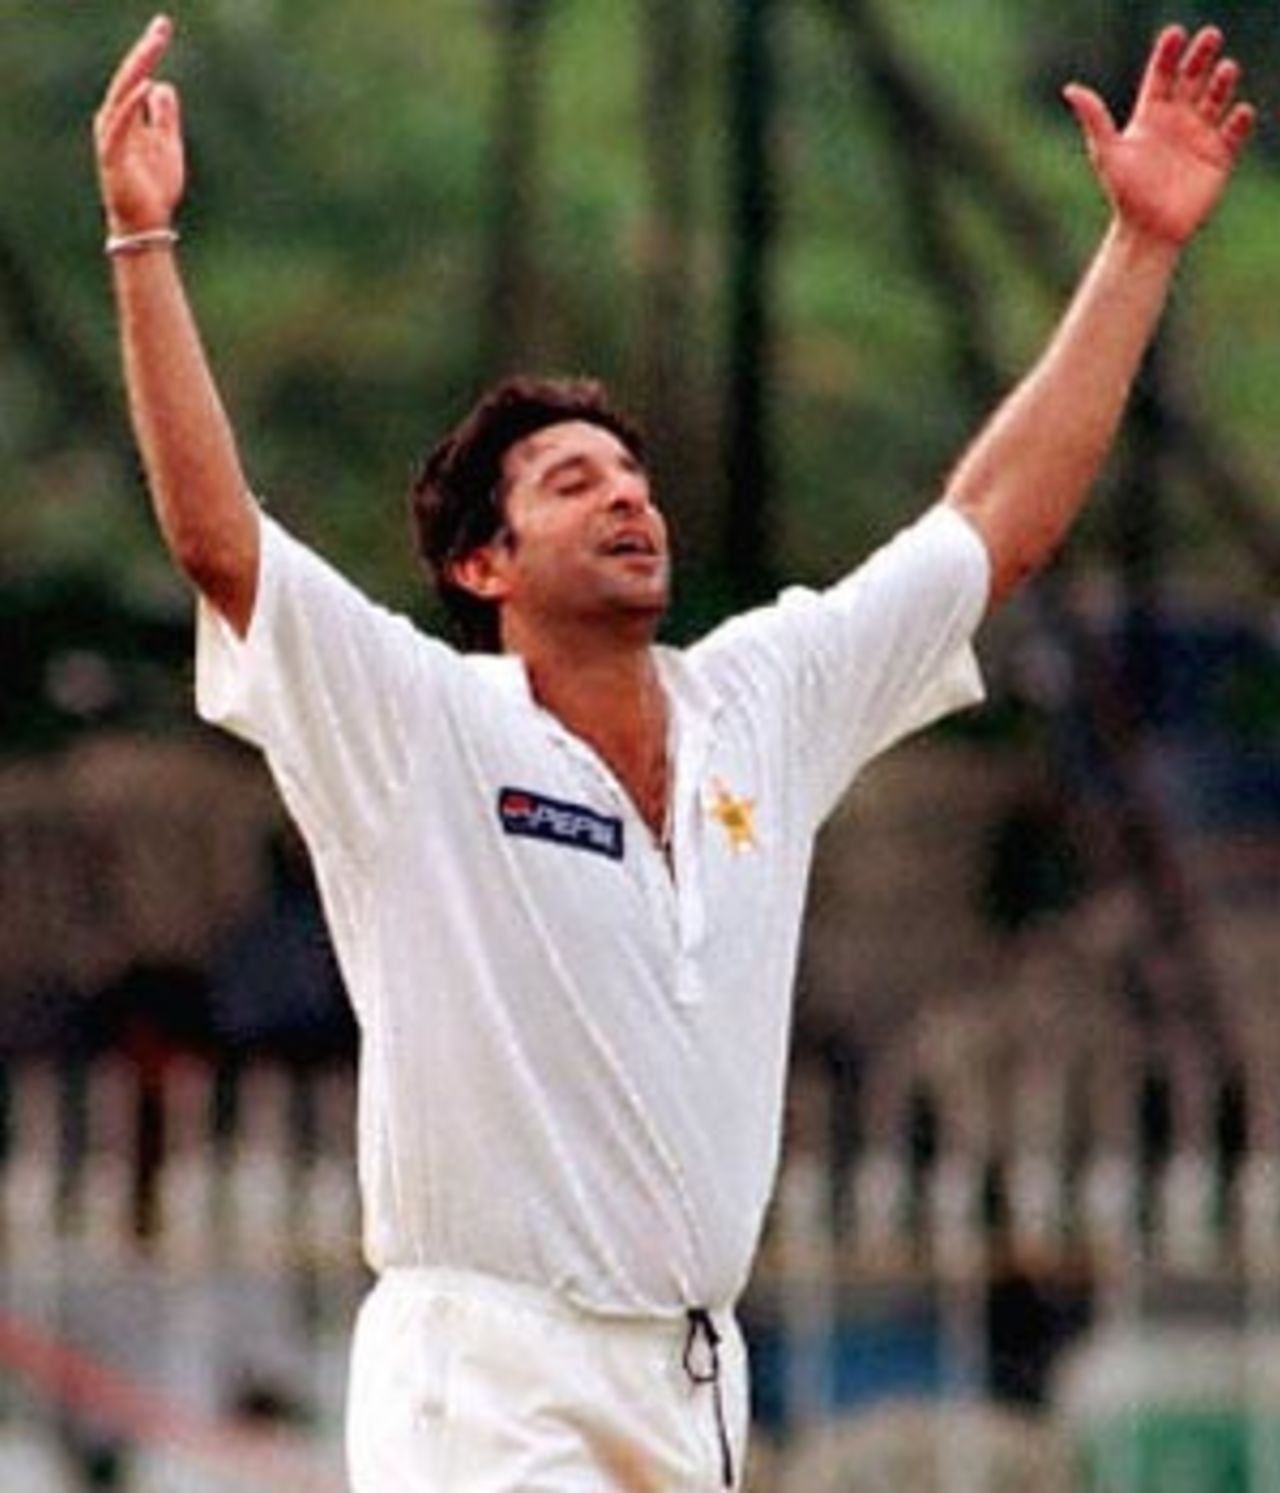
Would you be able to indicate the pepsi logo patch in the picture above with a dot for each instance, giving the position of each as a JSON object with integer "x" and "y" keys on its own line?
{"x": 534, "y": 816}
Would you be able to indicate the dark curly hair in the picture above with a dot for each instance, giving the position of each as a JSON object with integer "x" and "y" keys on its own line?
{"x": 457, "y": 499}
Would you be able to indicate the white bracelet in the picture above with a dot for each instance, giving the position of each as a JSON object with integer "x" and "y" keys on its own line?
{"x": 139, "y": 243}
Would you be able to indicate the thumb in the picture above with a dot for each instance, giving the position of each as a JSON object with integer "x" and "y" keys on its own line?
{"x": 1093, "y": 117}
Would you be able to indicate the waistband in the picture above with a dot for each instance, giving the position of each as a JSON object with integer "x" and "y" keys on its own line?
{"x": 524, "y": 1296}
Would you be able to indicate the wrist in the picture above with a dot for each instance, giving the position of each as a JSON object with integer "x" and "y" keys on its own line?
{"x": 1151, "y": 229}
{"x": 119, "y": 223}
{"x": 140, "y": 241}
{"x": 1143, "y": 246}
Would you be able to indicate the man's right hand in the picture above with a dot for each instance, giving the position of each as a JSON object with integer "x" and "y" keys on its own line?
{"x": 138, "y": 140}
{"x": 188, "y": 448}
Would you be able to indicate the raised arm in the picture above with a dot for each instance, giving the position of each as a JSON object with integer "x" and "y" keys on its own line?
{"x": 1028, "y": 473}
{"x": 202, "y": 502}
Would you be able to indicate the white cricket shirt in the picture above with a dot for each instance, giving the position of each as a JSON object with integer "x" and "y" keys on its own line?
{"x": 573, "y": 1056}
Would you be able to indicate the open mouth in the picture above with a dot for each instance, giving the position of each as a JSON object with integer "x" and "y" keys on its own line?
{"x": 631, "y": 544}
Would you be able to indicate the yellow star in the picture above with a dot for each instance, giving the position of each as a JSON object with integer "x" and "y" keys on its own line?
{"x": 737, "y": 817}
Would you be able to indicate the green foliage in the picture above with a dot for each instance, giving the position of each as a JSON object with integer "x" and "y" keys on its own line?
{"x": 338, "y": 236}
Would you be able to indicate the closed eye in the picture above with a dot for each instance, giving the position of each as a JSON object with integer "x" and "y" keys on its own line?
{"x": 569, "y": 479}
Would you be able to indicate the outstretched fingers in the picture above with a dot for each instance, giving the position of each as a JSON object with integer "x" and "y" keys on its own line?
{"x": 1219, "y": 91}
{"x": 1208, "y": 82}
{"x": 1238, "y": 126}
{"x": 1192, "y": 72}
{"x": 1234, "y": 120}
{"x": 137, "y": 67}
{"x": 1162, "y": 70}
{"x": 1199, "y": 65}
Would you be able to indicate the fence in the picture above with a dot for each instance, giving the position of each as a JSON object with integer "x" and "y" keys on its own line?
{"x": 196, "y": 1227}
{"x": 180, "y": 1267}
{"x": 1065, "y": 1214}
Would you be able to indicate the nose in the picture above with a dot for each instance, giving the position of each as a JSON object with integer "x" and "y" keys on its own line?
{"x": 630, "y": 493}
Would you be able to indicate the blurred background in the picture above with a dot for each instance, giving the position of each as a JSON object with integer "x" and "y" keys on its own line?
{"x": 1027, "y": 1233}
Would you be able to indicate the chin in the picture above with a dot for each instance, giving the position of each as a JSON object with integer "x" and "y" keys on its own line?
{"x": 645, "y": 615}
{"x": 651, "y": 597}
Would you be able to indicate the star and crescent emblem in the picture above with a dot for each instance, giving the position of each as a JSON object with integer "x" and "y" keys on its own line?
{"x": 735, "y": 815}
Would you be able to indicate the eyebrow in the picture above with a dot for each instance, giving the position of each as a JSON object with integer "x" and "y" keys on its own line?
{"x": 561, "y": 468}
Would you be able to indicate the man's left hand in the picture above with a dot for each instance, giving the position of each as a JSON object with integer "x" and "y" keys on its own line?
{"x": 1165, "y": 171}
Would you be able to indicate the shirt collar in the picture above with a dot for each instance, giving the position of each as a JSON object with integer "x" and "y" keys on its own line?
{"x": 695, "y": 701}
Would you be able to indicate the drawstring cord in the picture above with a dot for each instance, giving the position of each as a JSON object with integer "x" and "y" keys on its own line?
{"x": 702, "y": 1328}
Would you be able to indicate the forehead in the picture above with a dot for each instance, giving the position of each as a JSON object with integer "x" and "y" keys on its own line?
{"x": 567, "y": 440}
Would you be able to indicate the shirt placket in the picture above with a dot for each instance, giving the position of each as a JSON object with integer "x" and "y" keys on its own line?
{"x": 687, "y": 852}
{"x": 674, "y": 889}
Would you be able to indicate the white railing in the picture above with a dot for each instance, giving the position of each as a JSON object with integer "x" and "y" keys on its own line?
{"x": 176, "y": 1252}
{"x": 223, "y": 1248}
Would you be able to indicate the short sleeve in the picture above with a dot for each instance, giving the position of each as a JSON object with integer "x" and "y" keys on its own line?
{"x": 847, "y": 672}
{"x": 326, "y": 684}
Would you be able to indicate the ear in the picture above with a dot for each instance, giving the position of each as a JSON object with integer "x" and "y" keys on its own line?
{"x": 484, "y": 572}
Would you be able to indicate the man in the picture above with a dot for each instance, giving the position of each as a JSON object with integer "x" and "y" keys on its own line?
{"x": 565, "y": 877}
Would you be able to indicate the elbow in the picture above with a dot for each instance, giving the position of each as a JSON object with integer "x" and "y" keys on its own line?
{"x": 1011, "y": 571}
{"x": 223, "y": 568}
{"x": 202, "y": 557}
{"x": 1016, "y": 551}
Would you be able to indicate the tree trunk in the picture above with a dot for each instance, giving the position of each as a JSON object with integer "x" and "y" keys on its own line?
{"x": 749, "y": 540}
{"x": 667, "y": 378}
{"x": 510, "y": 314}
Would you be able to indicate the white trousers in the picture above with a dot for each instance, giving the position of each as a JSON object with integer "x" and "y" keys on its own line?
{"x": 464, "y": 1383}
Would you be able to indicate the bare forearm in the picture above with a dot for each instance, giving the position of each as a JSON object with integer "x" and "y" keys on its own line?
{"x": 1029, "y": 472}
{"x": 205, "y": 512}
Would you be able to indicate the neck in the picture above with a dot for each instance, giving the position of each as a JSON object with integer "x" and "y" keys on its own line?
{"x": 610, "y": 693}
{"x": 581, "y": 674}
{"x": 612, "y": 698}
